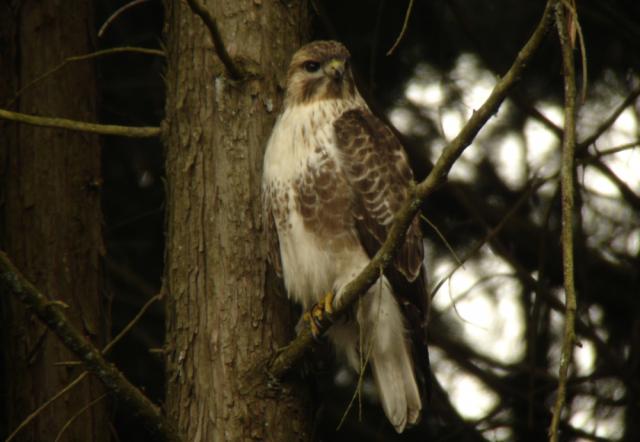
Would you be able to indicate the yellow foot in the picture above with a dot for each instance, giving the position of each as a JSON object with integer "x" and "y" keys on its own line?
{"x": 320, "y": 314}
{"x": 328, "y": 303}
{"x": 313, "y": 325}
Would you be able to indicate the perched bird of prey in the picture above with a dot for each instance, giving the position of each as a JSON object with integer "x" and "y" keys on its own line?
{"x": 334, "y": 176}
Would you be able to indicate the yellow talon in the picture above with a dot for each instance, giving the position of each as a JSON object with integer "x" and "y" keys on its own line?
{"x": 318, "y": 315}
{"x": 328, "y": 302}
{"x": 310, "y": 318}
{"x": 317, "y": 312}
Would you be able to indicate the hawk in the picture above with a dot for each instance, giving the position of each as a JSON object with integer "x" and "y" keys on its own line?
{"x": 334, "y": 176}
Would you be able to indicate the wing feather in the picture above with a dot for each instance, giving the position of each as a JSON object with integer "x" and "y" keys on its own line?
{"x": 378, "y": 171}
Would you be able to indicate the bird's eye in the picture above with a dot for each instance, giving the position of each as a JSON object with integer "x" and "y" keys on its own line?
{"x": 311, "y": 66}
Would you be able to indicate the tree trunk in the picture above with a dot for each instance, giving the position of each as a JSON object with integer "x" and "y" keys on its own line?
{"x": 221, "y": 321}
{"x": 50, "y": 217}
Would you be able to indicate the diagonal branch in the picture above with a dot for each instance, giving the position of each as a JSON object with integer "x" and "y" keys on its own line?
{"x": 13, "y": 282}
{"x": 210, "y": 22}
{"x": 491, "y": 232}
{"x": 606, "y": 124}
{"x": 627, "y": 192}
{"x": 296, "y": 349}
{"x": 567, "y": 187}
{"x": 84, "y": 374}
{"x": 81, "y": 126}
{"x": 581, "y": 147}
{"x": 595, "y": 160}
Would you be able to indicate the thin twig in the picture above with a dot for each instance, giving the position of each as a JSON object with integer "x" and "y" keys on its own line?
{"x": 210, "y": 22}
{"x": 581, "y": 150}
{"x": 77, "y": 380}
{"x": 535, "y": 284}
{"x": 118, "y": 12}
{"x": 493, "y": 232}
{"x": 78, "y": 414}
{"x": 606, "y": 124}
{"x": 537, "y": 115}
{"x": 442, "y": 237}
{"x": 613, "y": 150}
{"x": 567, "y": 188}
{"x": 602, "y": 128}
{"x": 404, "y": 28}
{"x": 572, "y": 8}
{"x": 81, "y": 126}
{"x": 363, "y": 365}
{"x": 50, "y": 401}
{"x": 403, "y": 218}
{"x": 627, "y": 192}
{"x": 132, "y": 323}
{"x": 12, "y": 281}
{"x": 68, "y": 60}
{"x": 582, "y": 154}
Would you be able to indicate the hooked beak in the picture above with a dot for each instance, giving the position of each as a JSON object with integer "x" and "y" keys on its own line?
{"x": 335, "y": 69}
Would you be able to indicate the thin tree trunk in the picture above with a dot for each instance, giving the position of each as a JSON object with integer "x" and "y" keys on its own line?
{"x": 50, "y": 217}
{"x": 221, "y": 320}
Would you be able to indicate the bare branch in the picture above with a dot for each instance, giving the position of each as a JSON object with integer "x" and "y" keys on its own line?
{"x": 81, "y": 126}
{"x": 627, "y": 192}
{"x": 537, "y": 115}
{"x": 613, "y": 150}
{"x": 84, "y": 374}
{"x": 491, "y": 232}
{"x": 68, "y": 60}
{"x": 12, "y": 281}
{"x": 404, "y": 28}
{"x": 606, "y": 124}
{"x": 567, "y": 188}
{"x": 287, "y": 358}
{"x": 48, "y": 402}
{"x": 573, "y": 28}
{"x": 77, "y": 415}
{"x": 210, "y": 22}
{"x": 133, "y": 322}
{"x": 116, "y": 14}
{"x": 603, "y": 127}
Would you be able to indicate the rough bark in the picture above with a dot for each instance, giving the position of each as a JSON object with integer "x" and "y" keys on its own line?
{"x": 51, "y": 221}
{"x": 221, "y": 321}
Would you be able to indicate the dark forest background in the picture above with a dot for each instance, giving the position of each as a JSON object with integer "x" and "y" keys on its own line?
{"x": 438, "y": 34}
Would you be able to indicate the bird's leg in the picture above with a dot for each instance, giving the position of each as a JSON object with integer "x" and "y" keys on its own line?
{"x": 319, "y": 314}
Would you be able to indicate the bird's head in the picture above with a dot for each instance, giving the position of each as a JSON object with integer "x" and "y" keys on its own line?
{"x": 319, "y": 71}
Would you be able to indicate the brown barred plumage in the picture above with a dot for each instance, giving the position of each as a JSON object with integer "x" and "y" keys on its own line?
{"x": 334, "y": 176}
